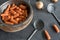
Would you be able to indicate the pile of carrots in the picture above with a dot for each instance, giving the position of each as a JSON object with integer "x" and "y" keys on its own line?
{"x": 14, "y": 14}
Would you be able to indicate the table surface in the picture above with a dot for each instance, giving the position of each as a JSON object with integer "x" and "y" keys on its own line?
{"x": 38, "y": 14}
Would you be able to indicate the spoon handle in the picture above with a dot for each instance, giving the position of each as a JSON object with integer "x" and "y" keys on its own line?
{"x": 56, "y": 18}
{"x": 32, "y": 34}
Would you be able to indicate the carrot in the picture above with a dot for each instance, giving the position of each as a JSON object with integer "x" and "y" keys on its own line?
{"x": 9, "y": 23}
{"x": 22, "y": 6}
{"x": 47, "y": 35}
{"x": 17, "y": 15}
{"x": 13, "y": 6}
{"x": 17, "y": 19}
{"x": 13, "y": 20}
{"x": 56, "y": 28}
{"x": 7, "y": 10}
{"x": 13, "y": 12}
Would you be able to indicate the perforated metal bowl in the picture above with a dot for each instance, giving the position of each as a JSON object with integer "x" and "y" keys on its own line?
{"x": 20, "y": 26}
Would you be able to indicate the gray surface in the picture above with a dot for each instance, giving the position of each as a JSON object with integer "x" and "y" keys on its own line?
{"x": 41, "y": 14}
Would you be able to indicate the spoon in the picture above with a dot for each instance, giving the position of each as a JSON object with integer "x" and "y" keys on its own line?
{"x": 51, "y": 9}
{"x": 38, "y": 25}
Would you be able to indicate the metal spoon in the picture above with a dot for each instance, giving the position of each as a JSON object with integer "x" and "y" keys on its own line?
{"x": 38, "y": 25}
{"x": 51, "y": 9}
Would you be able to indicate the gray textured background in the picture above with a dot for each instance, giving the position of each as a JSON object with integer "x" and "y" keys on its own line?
{"x": 38, "y": 14}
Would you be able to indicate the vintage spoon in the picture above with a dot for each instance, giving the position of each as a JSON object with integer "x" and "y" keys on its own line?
{"x": 51, "y": 9}
{"x": 38, "y": 25}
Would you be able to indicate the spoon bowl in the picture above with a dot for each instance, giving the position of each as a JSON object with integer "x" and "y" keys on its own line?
{"x": 38, "y": 25}
{"x": 51, "y": 8}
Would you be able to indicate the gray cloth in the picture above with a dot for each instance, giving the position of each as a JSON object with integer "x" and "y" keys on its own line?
{"x": 38, "y": 14}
